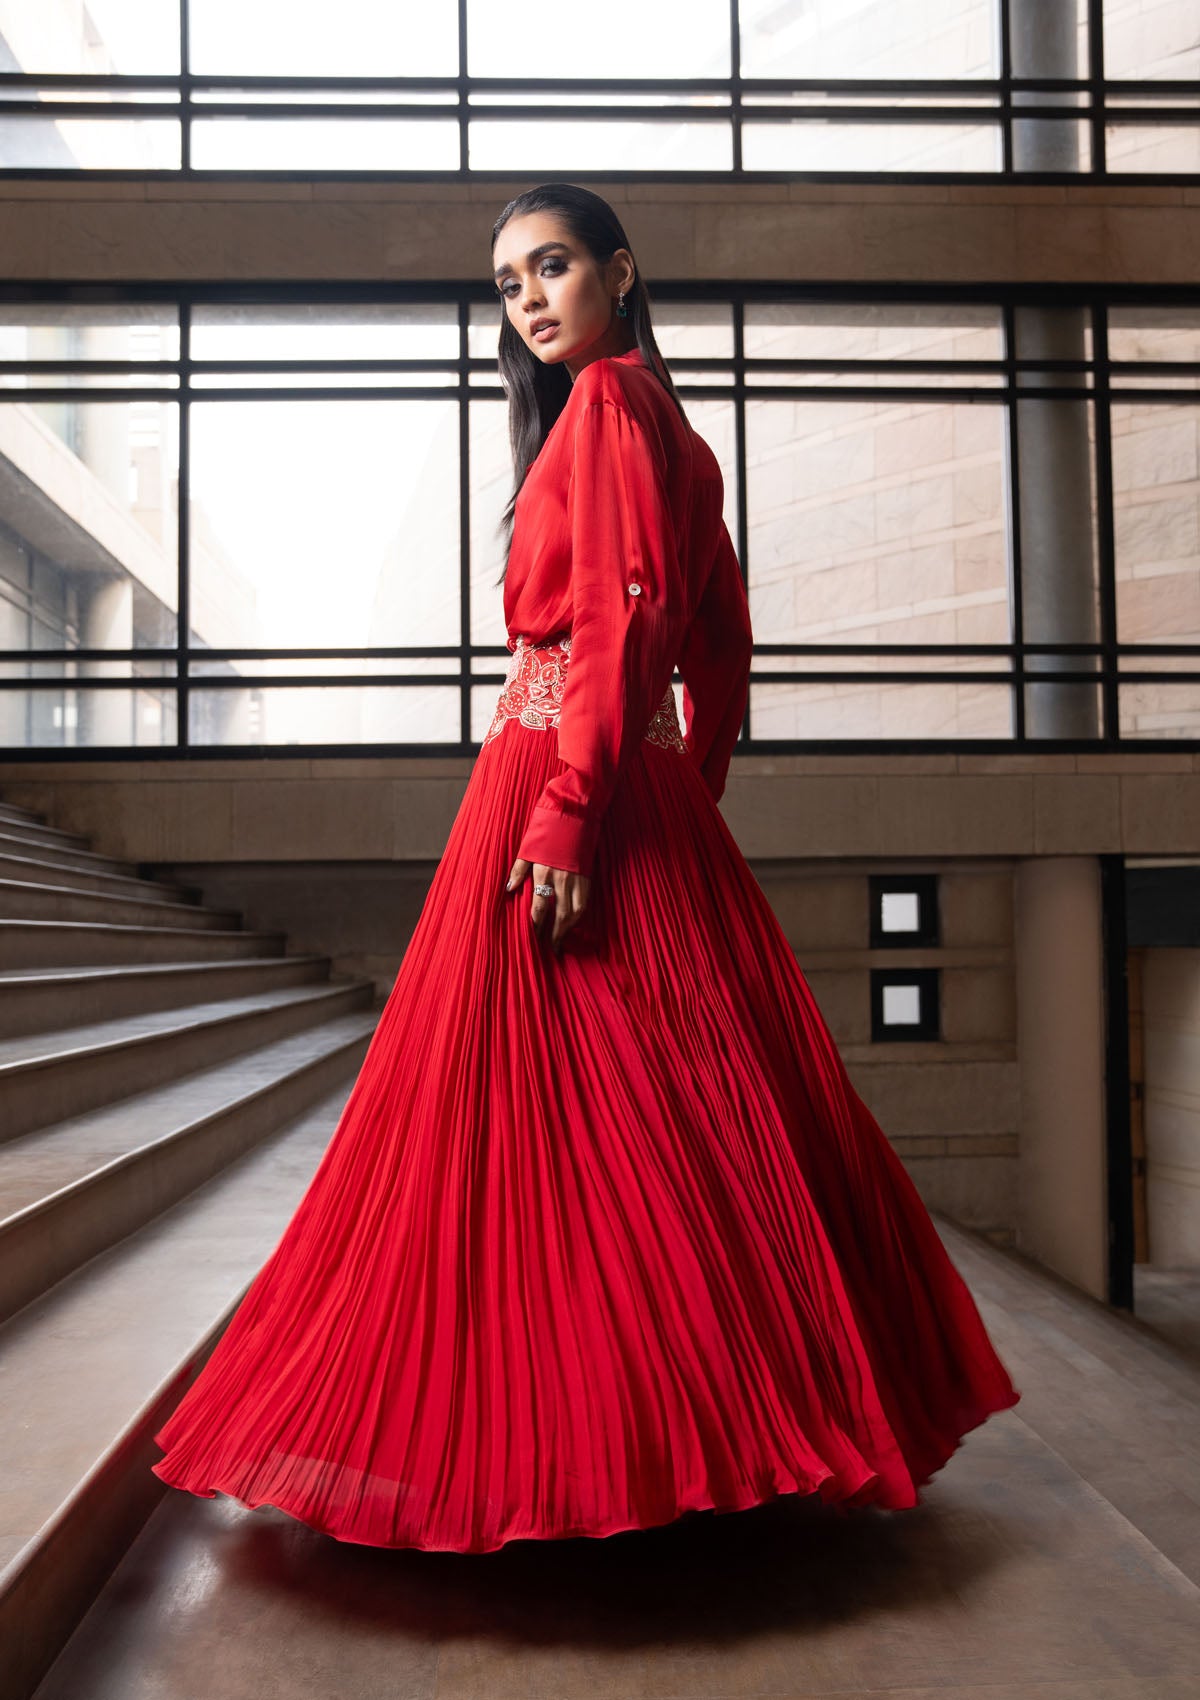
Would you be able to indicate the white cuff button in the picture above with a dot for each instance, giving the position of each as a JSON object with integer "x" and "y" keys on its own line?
{"x": 635, "y": 590}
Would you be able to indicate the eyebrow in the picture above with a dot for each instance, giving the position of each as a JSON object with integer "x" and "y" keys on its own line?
{"x": 532, "y": 255}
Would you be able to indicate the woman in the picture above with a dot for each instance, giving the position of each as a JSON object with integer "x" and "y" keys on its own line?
{"x": 604, "y": 1234}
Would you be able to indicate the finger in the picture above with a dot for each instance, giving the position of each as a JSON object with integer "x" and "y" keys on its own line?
{"x": 516, "y": 874}
{"x": 562, "y": 906}
{"x": 541, "y": 908}
{"x": 571, "y": 902}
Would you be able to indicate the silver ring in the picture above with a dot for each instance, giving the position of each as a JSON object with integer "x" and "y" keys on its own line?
{"x": 544, "y": 890}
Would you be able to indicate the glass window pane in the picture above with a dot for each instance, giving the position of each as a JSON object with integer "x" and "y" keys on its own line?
{"x": 87, "y": 378}
{"x": 1060, "y": 49}
{"x": 483, "y": 333}
{"x": 877, "y": 521}
{"x": 863, "y": 38}
{"x": 1151, "y": 40}
{"x": 901, "y": 1006}
{"x": 343, "y": 714}
{"x": 322, "y": 667}
{"x": 657, "y": 41}
{"x": 324, "y": 522}
{"x": 880, "y": 711}
{"x": 1052, "y": 144}
{"x": 87, "y": 521}
{"x": 818, "y": 145}
{"x": 716, "y": 421}
{"x": 325, "y": 144}
{"x": 73, "y": 716}
{"x": 864, "y": 377}
{"x": 360, "y": 38}
{"x": 60, "y": 330}
{"x": 1160, "y": 711}
{"x": 1156, "y": 523}
{"x": 132, "y": 37}
{"x": 325, "y": 331}
{"x": 90, "y": 144}
{"x": 599, "y": 145}
{"x": 325, "y": 380}
{"x": 1154, "y": 333}
{"x": 569, "y": 95}
{"x": 900, "y": 912}
{"x": 820, "y": 330}
{"x": 483, "y": 708}
{"x": 926, "y": 662}
{"x": 1153, "y": 147}
{"x": 1058, "y": 518}
{"x": 697, "y": 330}
{"x": 491, "y": 487}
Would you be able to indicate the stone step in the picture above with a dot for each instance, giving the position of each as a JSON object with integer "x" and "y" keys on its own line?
{"x": 45, "y": 1077}
{"x": 15, "y": 841}
{"x": 23, "y": 900}
{"x": 38, "y": 871}
{"x": 24, "y": 824}
{"x": 27, "y": 817}
{"x": 70, "y": 1191}
{"x": 89, "y": 1371}
{"x": 54, "y": 944}
{"x": 33, "y": 1000}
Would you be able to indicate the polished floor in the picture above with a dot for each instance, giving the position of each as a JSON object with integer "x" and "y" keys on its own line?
{"x": 1169, "y": 1300}
{"x": 1056, "y": 1557}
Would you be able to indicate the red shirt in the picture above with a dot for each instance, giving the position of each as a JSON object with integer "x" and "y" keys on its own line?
{"x": 618, "y": 537}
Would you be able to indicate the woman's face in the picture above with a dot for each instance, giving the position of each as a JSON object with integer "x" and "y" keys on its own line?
{"x": 560, "y": 302}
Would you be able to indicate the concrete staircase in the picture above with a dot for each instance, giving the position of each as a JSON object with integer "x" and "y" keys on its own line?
{"x": 168, "y": 1083}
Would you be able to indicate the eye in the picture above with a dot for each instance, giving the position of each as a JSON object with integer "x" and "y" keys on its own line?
{"x": 551, "y": 260}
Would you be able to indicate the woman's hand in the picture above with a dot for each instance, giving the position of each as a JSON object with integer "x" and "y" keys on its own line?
{"x": 567, "y": 905}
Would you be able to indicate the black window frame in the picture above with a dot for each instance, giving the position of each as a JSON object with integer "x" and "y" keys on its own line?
{"x": 1106, "y": 663}
{"x": 1094, "y": 100}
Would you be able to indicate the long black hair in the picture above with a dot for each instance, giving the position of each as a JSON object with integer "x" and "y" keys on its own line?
{"x": 538, "y": 393}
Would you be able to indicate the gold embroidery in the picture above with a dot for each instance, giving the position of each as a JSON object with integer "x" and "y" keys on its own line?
{"x": 533, "y": 691}
{"x": 664, "y": 728}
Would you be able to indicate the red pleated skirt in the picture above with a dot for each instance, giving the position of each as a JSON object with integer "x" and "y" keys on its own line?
{"x": 599, "y": 1239}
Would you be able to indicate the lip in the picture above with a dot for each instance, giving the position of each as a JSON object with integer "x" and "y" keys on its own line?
{"x": 547, "y": 332}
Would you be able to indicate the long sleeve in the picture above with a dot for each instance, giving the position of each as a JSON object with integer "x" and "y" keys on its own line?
{"x": 626, "y": 627}
{"x": 715, "y": 664}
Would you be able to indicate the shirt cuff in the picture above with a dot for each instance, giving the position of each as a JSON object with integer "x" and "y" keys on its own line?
{"x": 559, "y": 840}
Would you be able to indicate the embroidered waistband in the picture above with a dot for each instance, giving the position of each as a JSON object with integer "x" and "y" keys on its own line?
{"x": 533, "y": 691}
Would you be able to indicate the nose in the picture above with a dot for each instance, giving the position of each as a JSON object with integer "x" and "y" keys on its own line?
{"x": 531, "y": 297}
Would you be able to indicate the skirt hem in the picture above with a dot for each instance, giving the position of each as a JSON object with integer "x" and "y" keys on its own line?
{"x": 858, "y": 1498}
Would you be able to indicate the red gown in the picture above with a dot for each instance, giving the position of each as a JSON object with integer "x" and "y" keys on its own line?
{"x": 602, "y": 1238}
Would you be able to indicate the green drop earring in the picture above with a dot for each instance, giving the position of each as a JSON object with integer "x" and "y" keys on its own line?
{"x": 622, "y": 309}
